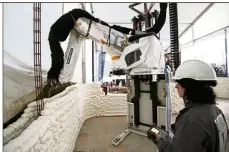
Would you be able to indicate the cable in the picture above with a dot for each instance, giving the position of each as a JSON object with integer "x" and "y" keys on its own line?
{"x": 174, "y": 40}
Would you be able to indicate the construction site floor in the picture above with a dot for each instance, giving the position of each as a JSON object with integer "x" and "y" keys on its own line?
{"x": 97, "y": 133}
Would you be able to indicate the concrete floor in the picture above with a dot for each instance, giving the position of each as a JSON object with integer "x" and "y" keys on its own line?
{"x": 97, "y": 133}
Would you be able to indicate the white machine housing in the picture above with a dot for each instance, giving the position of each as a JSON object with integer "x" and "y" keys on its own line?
{"x": 151, "y": 60}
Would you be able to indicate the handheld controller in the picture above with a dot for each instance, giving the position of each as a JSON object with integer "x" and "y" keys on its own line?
{"x": 154, "y": 130}
{"x": 158, "y": 131}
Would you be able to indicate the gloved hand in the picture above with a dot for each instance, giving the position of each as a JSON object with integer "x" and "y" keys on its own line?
{"x": 163, "y": 6}
{"x": 153, "y": 136}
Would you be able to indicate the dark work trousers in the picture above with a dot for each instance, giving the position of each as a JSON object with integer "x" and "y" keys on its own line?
{"x": 59, "y": 32}
{"x": 57, "y": 56}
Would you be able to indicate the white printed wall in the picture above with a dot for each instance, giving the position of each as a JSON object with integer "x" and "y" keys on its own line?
{"x": 221, "y": 91}
{"x": 58, "y": 127}
{"x": 222, "y": 88}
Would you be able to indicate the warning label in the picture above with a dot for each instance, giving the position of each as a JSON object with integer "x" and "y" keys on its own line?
{"x": 69, "y": 56}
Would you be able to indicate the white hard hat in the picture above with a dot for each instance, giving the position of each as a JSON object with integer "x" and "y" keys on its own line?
{"x": 195, "y": 69}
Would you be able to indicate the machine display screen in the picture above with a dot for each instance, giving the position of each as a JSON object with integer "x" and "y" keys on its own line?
{"x": 154, "y": 130}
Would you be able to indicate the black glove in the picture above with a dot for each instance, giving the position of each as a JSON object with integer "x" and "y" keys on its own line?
{"x": 163, "y": 6}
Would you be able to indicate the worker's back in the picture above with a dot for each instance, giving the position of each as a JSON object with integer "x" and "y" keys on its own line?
{"x": 208, "y": 125}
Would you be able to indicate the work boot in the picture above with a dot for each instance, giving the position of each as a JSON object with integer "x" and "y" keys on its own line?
{"x": 45, "y": 92}
{"x": 52, "y": 88}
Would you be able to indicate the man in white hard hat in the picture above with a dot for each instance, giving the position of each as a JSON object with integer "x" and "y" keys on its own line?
{"x": 200, "y": 126}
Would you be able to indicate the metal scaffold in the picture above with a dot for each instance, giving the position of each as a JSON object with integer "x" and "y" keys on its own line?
{"x": 37, "y": 54}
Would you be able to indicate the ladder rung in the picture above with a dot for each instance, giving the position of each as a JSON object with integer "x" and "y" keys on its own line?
{"x": 37, "y": 42}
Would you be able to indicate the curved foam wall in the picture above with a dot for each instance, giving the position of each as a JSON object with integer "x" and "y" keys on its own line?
{"x": 60, "y": 122}
{"x": 222, "y": 88}
{"x": 176, "y": 102}
{"x": 63, "y": 115}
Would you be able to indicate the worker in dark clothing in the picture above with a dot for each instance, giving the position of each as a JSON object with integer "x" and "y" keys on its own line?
{"x": 59, "y": 32}
{"x": 200, "y": 126}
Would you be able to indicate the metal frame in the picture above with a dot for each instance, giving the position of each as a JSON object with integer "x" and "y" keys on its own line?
{"x": 194, "y": 21}
{"x": 132, "y": 8}
{"x": 205, "y": 35}
{"x": 93, "y": 51}
{"x": 134, "y": 124}
{"x": 37, "y": 54}
{"x": 131, "y": 127}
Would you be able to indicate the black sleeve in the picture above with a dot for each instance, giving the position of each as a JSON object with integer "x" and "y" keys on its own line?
{"x": 161, "y": 19}
{"x": 77, "y": 13}
{"x": 188, "y": 138}
{"x": 123, "y": 30}
{"x": 103, "y": 23}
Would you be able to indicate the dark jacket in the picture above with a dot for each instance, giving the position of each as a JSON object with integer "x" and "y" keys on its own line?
{"x": 195, "y": 130}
